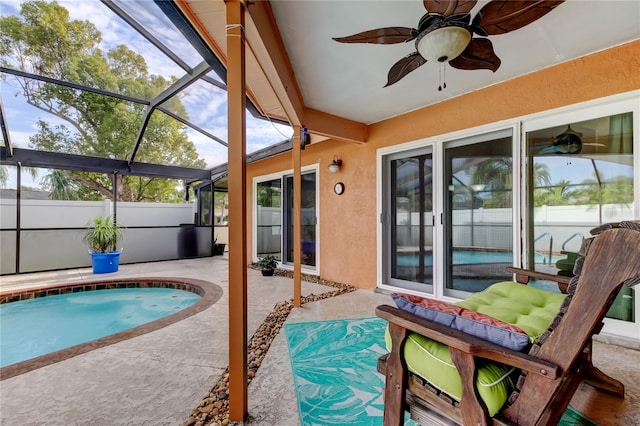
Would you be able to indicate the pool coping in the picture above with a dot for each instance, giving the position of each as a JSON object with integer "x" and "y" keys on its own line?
{"x": 210, "y": 293}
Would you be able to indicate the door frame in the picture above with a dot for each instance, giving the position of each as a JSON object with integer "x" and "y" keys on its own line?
{"x": 254, "y": 225}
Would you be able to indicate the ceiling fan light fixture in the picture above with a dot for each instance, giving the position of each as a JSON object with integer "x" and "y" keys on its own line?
{"x": 442, "y": 43}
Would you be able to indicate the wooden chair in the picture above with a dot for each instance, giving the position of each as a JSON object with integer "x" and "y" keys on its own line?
{"x": 552, "y": 370}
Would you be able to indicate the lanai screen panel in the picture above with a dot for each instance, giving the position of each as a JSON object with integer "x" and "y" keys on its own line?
{"x": 105, "y": 78}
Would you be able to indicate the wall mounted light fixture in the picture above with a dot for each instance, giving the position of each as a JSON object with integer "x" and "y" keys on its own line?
{"x": 335, "y": 164}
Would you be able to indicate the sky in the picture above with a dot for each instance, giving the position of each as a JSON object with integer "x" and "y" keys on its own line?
{"x": 205, "y": 104}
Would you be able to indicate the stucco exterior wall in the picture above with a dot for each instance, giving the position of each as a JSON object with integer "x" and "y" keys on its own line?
{"x": 347, "y": 247}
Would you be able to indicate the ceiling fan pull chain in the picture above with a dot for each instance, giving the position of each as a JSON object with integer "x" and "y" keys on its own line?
{"x": 444, "y": 76}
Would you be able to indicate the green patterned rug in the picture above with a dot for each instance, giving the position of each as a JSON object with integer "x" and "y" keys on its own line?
{"x": 334, "y": 370}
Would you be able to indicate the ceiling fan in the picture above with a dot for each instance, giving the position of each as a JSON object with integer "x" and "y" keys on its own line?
{"x": 568, "y": 142}
{"x": 446, "y": 33}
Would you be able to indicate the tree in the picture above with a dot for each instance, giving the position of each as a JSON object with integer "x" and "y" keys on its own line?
{"x": 5, "y": 173}
{"x": 268, "y": 196}
{"x": 496, "y": 174}
{"x": 60, "y": 187}
{"x": 560, "y": 194}
{"x": 221, "y": 207}
{"x": 4, "y": 177}
{"x": 46, "y": 42}
{"x": 616, "y": 190}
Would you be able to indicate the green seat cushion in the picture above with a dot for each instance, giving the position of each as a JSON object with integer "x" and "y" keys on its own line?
{"x": 530, "y": 309}
{"x": 432, "y": 361}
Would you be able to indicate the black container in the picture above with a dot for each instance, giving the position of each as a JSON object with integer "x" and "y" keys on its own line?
{"x": 187, "y": 241}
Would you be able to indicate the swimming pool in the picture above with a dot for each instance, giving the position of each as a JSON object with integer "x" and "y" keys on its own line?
{"x": 36, "y": 327}
{"x": 96, "y": 313}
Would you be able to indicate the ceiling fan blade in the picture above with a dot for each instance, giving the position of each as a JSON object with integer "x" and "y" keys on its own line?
{"x": 503, "y": 16}
{"x": 403, "y": 67}
{"x": 389, "y": 35}
{"x": 447, "y": 7}
{"x": 478, "y": 55}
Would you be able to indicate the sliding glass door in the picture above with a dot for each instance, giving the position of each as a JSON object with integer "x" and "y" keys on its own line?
{"x": 477, "y": 212}
{"x": 273, "y": 225}
{"x": 447, "y": 216}
{"x": 581, "y": 176}
{"x": 456, "y": 212}
{"x": 409, "y": 215}
{"x": 269, "y": 218}
{"x": 309, "y": 219}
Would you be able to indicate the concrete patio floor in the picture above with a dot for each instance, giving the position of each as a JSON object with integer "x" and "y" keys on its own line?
{"x": 160, "y": 377}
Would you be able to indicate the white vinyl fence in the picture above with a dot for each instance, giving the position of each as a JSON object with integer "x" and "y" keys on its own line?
{"x": 51, "y": 233}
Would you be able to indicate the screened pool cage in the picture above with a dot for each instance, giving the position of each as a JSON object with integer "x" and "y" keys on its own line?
{"x": 118, "y": 109}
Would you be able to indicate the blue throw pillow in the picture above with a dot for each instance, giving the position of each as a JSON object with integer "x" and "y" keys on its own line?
{"x": 468, "y": 321}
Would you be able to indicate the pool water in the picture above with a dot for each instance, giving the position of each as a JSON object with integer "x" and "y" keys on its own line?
{"x": 35, "y": 327}
{"x": 468, "y": 257}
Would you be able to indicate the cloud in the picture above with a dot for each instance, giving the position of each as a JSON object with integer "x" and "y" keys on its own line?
{"x": 156, "y": 22}
{"x": 116, "y": 31}
{"x": 11, "y": 5}
{"x": 263, "y": 133}
{"x": 211, "y": 151}
{"x": 21, "y": 117}
{"x": 20, "y": 139}
{"x": 205, "y": 104}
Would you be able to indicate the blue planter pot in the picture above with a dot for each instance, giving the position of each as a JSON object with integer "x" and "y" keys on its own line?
{"x": 105, "y": 262}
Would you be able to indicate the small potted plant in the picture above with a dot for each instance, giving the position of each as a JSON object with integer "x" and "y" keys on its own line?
{"x": 102, "y": 237}
{"x": 267, "y": 265}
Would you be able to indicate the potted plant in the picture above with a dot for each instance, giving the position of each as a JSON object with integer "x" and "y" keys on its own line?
{"x": 218, "y": 248}
{"x": 267, "y": 265}
{"x": 102, "y": 236}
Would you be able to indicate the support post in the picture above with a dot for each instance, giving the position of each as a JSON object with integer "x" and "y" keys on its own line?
{"x": 297, "y": 219}
{"x": 18, "y": 214}
{"x": 236, "y": 101}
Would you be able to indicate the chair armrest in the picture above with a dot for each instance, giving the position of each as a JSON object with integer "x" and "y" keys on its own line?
{"x": 467, "y": 343}
{"x": 523, "y": 276}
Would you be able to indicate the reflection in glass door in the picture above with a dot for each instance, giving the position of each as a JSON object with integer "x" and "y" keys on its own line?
{"x": 269, "y": 218}
{"x": 581, "y": 175}
{"x": 409, "y": 209}
{"x": 308, "y": 218}
{"x": 478, "y": 216}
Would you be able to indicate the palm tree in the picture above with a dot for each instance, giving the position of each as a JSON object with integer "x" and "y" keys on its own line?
{"x": 617, "y": 190}
{"x": 541, "y": 175}
{"x": 60, "y": 186}
{"x": 4, "y": 174}
{"x": 559, "y": 194}
{"x": 496, "y": 174}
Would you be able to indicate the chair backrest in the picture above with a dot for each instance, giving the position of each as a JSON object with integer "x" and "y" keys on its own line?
{"x": 612, "y": 258}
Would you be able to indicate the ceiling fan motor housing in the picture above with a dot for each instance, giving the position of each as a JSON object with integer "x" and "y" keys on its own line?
{"x": 443, "y": 38}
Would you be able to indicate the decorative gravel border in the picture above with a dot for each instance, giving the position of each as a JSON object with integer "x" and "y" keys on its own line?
{"x": 210, "y": 293}
{"x": 214, "y": 408}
